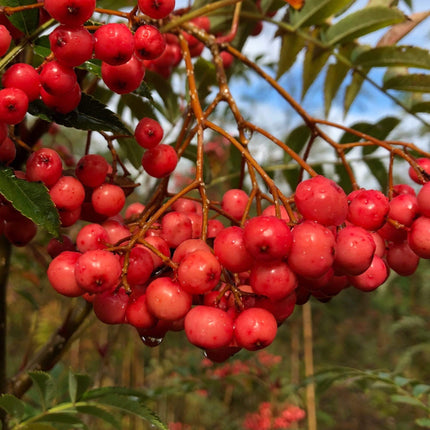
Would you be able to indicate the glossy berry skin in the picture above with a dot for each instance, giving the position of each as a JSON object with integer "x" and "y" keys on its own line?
{"x": 67, "y": 193}
{"x": 161, "y": 245}
{"x": 234, "y": 203}
{"x": 321, "y": 199}
{"x": 110, "y": 307}
{"x": 368, "y": 209}
{"x": 124, "y": 78}
{"x": 424, "y": 163}
{"x": 281, "y": 309}
{"x": 108, "y": 199}
{"x": 230, "y": 249}
{"x": 419, "y": 237}
{"x": 13, "y": 105}
{"x": 148, "y": 133}
{"x": 57, "y": 246}
{"x": 373, "y": 277}
{"x": 92, "y": 236}
{"x": 60, "y": 103}
{"x": 24, "y": 77}
{"x": 404, "y": 209}
{"x": 166, "y": 300}
{"x": 423, "y": 200}
{"x": 61, "y": 274}
{"x": 140, "y": 266}
{"x": 5, "y": 40}
{"x": 7, "y": 151}
{"x": 274, "y": 280}
{"x": 114, "y": 44}
{"x": 312, "y": 250}
{"x": 149, "y": 43}
{"x": 157, "y": 9}
{"x": 267, "y": 238}
{"x": 402, "y": 259}
{"x": 70, "y": 12}
{"x": 175, "y": 228}
{"x": 91, "y": 170}
{"x": 255, "y": 328}
{"x": 355, "y": 248}
{"x": 160, "y": 161}
{"x": 44, "y": 165}
{"x": 138, "y": 314}
{"x": 199, "y": 272}
{"x": 187, "y": 247}
{"x": 208, "y": 327}
{"x": 97, "y": 271}
{"x": 57, "y": 79}
{"x": 72, "y": 46}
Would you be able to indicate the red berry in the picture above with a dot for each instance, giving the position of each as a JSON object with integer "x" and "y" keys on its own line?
{"x": 138, "y": 314}
{"x": 5, "y": 40}
{"x": 71, "y": 45}
{"x": 175, "y": 228}
{"x": 114, "y": 44}
{"x": 160, "y": 161}
{"x": 149, "y": 43}
{"x": 110, "y": 306}
{"x": 25, "y": 77}
{"x": 92, "y": 236}
{"x": 148, "y": 133}
{"x": 20, "y": 230}
{"x": 208, "y": 327}
{"x": 97, "y": 271}
{"x": 140, "y": 266}
{"x": 134, "y": 210}
{"x": 57, "y": 79}
{"x": 124, "y": 78}
{"x": 373, "y": 277}
{"x": 423, "y": 200}
{"x": 255, "y": 328}
{"x": 44, "y": 165}
{"x": 57, "y": 246}
{"x": 67, "y": 193}
{"x": 402, "y": 259}
{"x": 13, "y": 105}
{"x": 7, "y": 151}
{"x": 166, "y": 300}
{"x": 161, "y": 245}
{"x": 70, "y": 12}
{"x": 419, "y": 237}
{"x": 234, "y": 203}
{"x": 60, "y": 103}
{"x": 424, "y": 163}
{"x": 61, "y": 274}
{"x": 157, "y": 9}
{"x": 187, "y": 247}
{"x": 108, "y": 199}
{"x": 321, "y": 199}
{"x": 91, "y": 170}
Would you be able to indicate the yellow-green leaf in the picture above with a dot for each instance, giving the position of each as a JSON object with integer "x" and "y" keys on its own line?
{"x": 416, "y": 82}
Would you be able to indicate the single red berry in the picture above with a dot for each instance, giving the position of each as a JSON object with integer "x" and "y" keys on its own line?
{"x": 57, "y": 79}
{"x": 114, "y": 44}
{"x": 72, "y": 46}
{"x": 175, "y": 228}
{"x": 161, "y": 245}
{"x": 187, "y": 247}
{"x": 234, "y": 203}
{"x": 91, "y": 170}
{"x": 20, "y": 231}
{"x": 124, "y": 78}
{"x": 140, "y": 266}
{"x": 61, "y": 274}
{"x": 419, "y": 237}
{"x": 160, "y": 161}
{"x": 157, "y": 9}
{"x": 423, "y": 200}
{"x": 60, "y": 103}
{"x": 25, "y": 77}
{"x": 57, "y": 246}
{"x": 70, "y": 12}
{"x": 148, "y": 133}
{"x": 149, "y": 43}
{"x": 108, "y": 199}
{"x": 138, "y": 314}
{"x": 373, "y": 277}
{"x": 116, "y": 230}
{"x": 92, "y": 236}
{"x": 67, "y": 193}
{"x": 424, "y": 164}
{"x": 5, "y": 40}
{"x": 44, "y": 165}
{"x": 13, "y": 105}
{"x": 255, "y": 328}
{"x": 402, "y": 259}
{"x": 7, "y": 151}
{"x": 110, "y": 307}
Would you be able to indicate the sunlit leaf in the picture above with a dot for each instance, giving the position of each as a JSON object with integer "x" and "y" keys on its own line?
{"x": 416, "y": 82}
{"x": 32, "y": 199}
{"x": 291, "y": 45}
{"x": 69, "y": 418}
{"x": 361, "y": 22}
{"x": 336, "y": 73}
{"x": 421, "y": 107}
{"x": 316, "y": 11}
{"x": 394, "y": 56}
{"x": 353, "y": 89}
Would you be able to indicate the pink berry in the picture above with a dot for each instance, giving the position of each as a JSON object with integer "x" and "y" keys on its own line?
{"x": 138, "y": 314}
{"x": 373, "y": 277}
{"x": 175, "y": 228}
{"x": 321, "y": 199}
{"x": 419, "y": 237}
{"x": 402, "y": 259}
{"x": 423, "y": 200}
{"x": 255, "y": 328}
{"x": 61, "y": 274}
{"x": 92, "y": 236}
{"x": 234, "y": 203}
{"x": 108, "y": 199}
{"x": 424, "y": 163}
{"x": 67, "y": 193}
{"x": 208, "y": 327}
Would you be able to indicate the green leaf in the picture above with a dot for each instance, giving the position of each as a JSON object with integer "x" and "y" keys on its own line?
{"x": 344, "y": 180}
{"x": 416, "y": 82}
{"x": 32, "y": 199}
{"x": 89, "y": 115}
{"x": 292, "y": 176}
{"x": 61, "y": 418}
{"x": 352, "y": 90}
{"x": 46, "y": 387}
{"x": 12, "y": 405}
{"x": 97, "y": 393}
{"x": 379, "y": 171}
{"x": 205, "y": 75}
{"x": 420, "y": 107}
{"x": 361, "y": 22}
{"x": 297, "y": 139}
{"x": 398, "y": 398}
{"x": 291, "y": 45}
{"x": 139, "y": 108}
{"x": 336, "y": 73}
{"x": 27, "y": 20}
{"x": 133, "y": 406}
{"x": 393, "y": 56}
{"x": 380, "y": 131}
{"x": 100, "y": 413}
{"x": 316, "y": 11}
{"x": 401, "y": 381}
{"x": 78, "y": 384}
{"x": 423, "y": 422}
{"x": 420, "y": 389}
{"x": 315, "y": 60}
{"x": 133, "y": 152}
